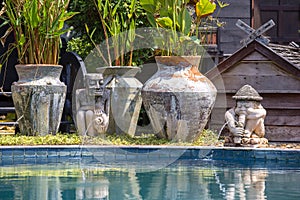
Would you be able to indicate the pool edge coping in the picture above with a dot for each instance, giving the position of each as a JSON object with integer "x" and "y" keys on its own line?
{"x": 141, "y": 147}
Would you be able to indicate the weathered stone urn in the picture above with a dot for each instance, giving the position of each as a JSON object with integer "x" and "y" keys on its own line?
{"x": 125, "y": 98}
{"x": 39, "y": 98}
{"x": 178, "y": 98}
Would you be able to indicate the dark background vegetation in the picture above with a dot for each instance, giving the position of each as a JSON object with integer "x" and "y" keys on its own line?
{"x": 79, "y": 41}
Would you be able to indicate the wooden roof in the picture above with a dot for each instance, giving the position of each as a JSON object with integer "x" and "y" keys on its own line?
{"x": 287, "y": 58}
{"x": 289, "y": 52}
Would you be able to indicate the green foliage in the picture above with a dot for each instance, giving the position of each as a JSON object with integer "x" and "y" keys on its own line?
{"x": 117, "y": 26}
{"x": 89, "y": 17}
{"x": 172, "y": 20}
{"x": 80, "y": 46}
{"x": 206, "y": 18}
{"x": 207, "y": 138}
{"x": 37, "y": 26}
{"x": 205, "y": 8}
{"x": 143, "y": 140}
{"x": 172, "y": 14}
{"x": 59, "y": 139}
{"x": 178, "y": 21}
{"x": 80, "y": 39}
{"x": 124, "y": 140}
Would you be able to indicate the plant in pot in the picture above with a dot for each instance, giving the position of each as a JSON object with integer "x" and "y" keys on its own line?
{"x": 115, "y": 53}
{"x": 38, "y": 95}
{"x": 178, "y": 98}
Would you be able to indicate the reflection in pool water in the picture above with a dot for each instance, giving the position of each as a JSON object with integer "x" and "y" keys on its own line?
{"x": 181, "y": 180}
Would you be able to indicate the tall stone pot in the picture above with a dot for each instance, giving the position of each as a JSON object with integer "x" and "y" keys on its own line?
{"x": 39, "y": 98}
{"x": 178, "y": 98}
{"x": 125, "y": 98}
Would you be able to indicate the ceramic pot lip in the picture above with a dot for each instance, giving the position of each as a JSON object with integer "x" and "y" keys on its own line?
{"x": 178, "y": 57}
{"x": 38, "y": 65}
{"x": 178, "y": 60}
{"x": 116, "y": 67}
{"x": 118, "y": 70}
{"x": 32, "y": 72}
{"x": 184, "y": 56}
{"x": 119, "y": 66}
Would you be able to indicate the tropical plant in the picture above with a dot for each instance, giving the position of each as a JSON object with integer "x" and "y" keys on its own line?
{"x": 204, "y": 19}
{"x": 37, "y": 26}
{"x": 176, "y": 27}
{"x": 119, "y": 31}
{"x": 79, "y": 40}
{"x": 170, "y": 17}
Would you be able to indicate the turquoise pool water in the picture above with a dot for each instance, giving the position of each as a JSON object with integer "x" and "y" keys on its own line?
{"x": 183, "y": 179}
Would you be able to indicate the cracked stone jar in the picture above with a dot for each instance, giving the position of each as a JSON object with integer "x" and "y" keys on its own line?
{"x": 39, "y": 98}
{"x": 178, "y": 99}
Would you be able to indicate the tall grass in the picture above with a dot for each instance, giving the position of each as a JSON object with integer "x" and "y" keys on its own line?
{"x": 37, "y": 26}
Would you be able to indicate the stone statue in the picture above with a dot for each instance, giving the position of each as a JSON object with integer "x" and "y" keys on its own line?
{"x": 91, "y": 106}
{"x": 245, "y": 121}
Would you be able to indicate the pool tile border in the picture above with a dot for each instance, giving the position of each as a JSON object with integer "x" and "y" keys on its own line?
{"x": 105, "y": 154}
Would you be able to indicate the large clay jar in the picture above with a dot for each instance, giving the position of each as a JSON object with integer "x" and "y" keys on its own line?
{"x": 125, "y": 98}
{"x": 178, "y": 98}
{"x": 39, "y": 98}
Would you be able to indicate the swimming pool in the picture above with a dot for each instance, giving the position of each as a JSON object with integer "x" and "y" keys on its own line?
{"x": 148, "y": 173}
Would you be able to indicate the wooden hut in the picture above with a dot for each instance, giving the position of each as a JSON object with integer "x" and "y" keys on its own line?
{"x": 285, "y": 14}
{"x": 274, "y": 71}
